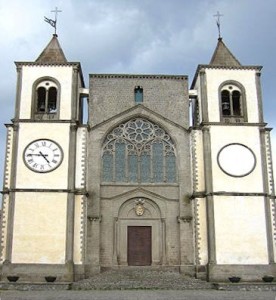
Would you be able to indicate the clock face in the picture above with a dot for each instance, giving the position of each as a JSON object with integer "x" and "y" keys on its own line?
{"x": 43, "y": 155}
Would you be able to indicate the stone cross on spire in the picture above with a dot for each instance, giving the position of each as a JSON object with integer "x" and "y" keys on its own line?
{"x": 218, "y": 15}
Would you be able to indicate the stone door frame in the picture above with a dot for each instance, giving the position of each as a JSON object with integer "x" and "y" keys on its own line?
{"x": 152, "y": 218}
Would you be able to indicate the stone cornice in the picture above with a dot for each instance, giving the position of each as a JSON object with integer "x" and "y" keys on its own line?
{"x": 30, "y": 190}
{"x": 141, "y": 76}
{"x": 224, "y": 193}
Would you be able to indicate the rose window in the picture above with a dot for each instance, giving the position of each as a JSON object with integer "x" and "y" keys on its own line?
{"x": 138, "y": 151}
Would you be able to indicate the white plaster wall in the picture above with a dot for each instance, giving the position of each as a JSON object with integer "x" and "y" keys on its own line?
{"x": 81, "y": 158}
{"x": 57, "y": 179}
{"x": 39, "y": 228}
{"x": 250, "y": 137}
{"x": 32, "y": 73}
{"x": 202, "y": 243}
{"x": 215, "y": 77}
{"x": 79, "y": 229}
{"x": 240, "y": 229}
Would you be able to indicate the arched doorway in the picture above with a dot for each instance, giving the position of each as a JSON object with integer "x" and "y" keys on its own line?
{"x": 140, "y": 233}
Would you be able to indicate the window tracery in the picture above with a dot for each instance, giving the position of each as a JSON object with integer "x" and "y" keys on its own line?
{"x": 232, "y": 103}
{"x": 46, "y": 97}
{"x": 139, "y": 151}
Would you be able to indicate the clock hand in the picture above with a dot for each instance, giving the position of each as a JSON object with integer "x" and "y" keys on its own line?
{"x": 44, "y": 156}
{"x": 35, "y": 154}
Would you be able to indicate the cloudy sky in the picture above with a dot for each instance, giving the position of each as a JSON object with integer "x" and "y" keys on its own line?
{"x": 137, "y": 36}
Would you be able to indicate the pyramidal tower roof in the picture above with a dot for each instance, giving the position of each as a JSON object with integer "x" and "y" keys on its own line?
{"x": 223, "y": 56}
{"x": 52, "y": 53}
{"x": 223, "y": 59}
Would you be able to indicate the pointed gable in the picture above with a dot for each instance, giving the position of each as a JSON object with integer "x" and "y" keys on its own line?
{"x": 223, "y": 57}
{"x": 52, "y": 53}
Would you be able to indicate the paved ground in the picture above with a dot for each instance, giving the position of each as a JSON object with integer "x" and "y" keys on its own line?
{"x": 133, "y": 284}
{"x": 141, "y": 279}
{"x": 137, "y": 295}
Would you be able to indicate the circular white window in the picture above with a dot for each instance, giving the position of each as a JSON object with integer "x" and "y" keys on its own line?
{"x": 236, "y": 160}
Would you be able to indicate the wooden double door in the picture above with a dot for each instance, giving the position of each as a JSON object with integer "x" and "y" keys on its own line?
{"x": 139, "y": 245}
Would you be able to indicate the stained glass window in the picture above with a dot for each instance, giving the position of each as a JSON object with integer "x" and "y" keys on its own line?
{"x": 139, "y": 151}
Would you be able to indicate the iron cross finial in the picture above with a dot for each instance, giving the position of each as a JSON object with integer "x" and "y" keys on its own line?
{"x": 218, "y": 15}
{"x": 53, "y": 23}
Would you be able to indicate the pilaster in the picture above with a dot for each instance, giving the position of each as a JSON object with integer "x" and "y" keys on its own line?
{"x": 75, "y": 93}
{"x": 93, "y": 244}
{"x": 71, "y": 196}
{"x": 259, "y": 96}
{"x": 18, "y": 92}
{"x": 203, "y": 96}
{"x": 13, "y": 174}
{"x": 208, "y": 174}
{"x": 268, "y": 213}
{"x": 187, "y": 247}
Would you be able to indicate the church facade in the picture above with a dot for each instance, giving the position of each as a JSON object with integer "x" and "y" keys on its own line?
{"x": 161, "y": 175}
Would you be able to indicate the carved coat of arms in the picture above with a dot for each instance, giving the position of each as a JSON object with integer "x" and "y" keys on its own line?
{"x": 139, "y": 207}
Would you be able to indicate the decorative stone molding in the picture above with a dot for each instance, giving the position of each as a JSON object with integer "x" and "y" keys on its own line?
{"x": 83, "y": 157}
{"x": 270, "y": 179}
{"x": 76, "y": 69}
{"x": 43, "y": 190}
{"x": 18, "y": 68}
{"x": 81, "y": 192}
{"x": 73, "y": 126}
{"x": 15, "y": 127}
{"x": 5, "y": 191}
{"x": 194, "y": 160}
{"x": 3, "y": 228}
{"x": 83, "y": 228}
{"x": 185, "y": 219}
{"x": 205, "y": 127}
{"x": 197, "y": 231}
{"x": 94, "y": 218}
{"x": 223, "y": 193}
{"x": 176, "y": 77}
{"x": 8, "y": 159}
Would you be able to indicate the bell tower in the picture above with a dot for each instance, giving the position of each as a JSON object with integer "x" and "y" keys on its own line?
{"x": 43, "y": 185}
{"x": 233, "y": 194}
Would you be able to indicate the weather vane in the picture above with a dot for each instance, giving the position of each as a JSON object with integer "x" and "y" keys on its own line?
{"x": 53, "y": 23}
{"x": 218, "y": 15}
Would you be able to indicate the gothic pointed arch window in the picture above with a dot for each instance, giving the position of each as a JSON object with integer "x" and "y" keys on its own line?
{"x": 138, "y": 151}
{"x": 46, "y": 93}
{"x": 232, "y": 103}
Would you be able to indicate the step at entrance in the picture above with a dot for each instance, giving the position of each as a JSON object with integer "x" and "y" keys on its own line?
{"x": 140, "y": 279}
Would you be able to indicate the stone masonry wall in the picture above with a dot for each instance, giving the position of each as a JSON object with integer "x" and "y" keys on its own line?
{"x": 111, "y": 95}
